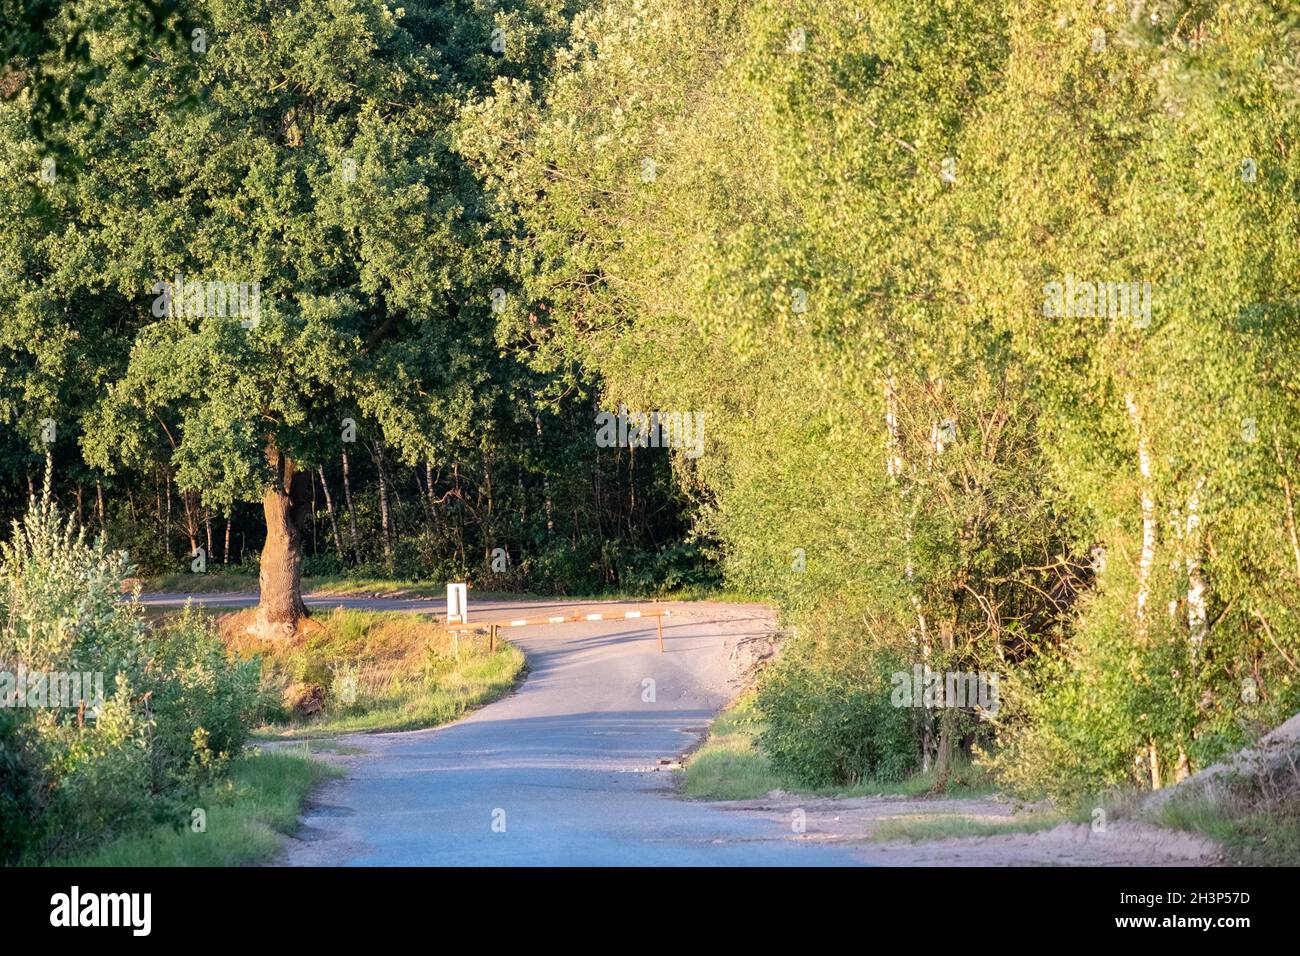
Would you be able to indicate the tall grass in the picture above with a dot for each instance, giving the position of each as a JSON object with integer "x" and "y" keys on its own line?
{"x": 1255, "y": 817}
{"x": 355, "y": 670}
{"x": 244, "y": 817}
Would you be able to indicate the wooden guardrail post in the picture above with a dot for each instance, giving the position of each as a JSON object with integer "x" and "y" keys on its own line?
{"x": 659, "y": 621}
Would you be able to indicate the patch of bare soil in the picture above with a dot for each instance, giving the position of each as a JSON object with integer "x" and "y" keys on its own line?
{"x": 853, "y": 820}
{"x": 1069, "y": 844}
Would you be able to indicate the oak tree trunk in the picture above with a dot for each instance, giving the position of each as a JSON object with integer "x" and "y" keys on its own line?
{"x": 285, "y": 504}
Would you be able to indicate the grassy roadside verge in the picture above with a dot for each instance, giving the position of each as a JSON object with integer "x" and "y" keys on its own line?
{"x": 918, "y": 828}
{"x": 1256, "y": 819}
{"x": 1253, "y": 823}
{"x": 347, "y": 671}
{"x": 352, "y": 671}
{"x": 245, "y": 815}
{"x": 730, "y": 765}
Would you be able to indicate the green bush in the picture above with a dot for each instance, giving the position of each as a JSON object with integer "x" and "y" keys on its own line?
{"x": 1084, "y": 717}
{"x": 174, "y": 707}
{"x": 98, "y": 774}
{"x": 20, "y": 798}
{"x": 580, "y": 568}
{"x": 148, "y": 554}
{"x": 829, "y": 719}
{"x": 193, "y": 684}
{"x": 681, "y": 564}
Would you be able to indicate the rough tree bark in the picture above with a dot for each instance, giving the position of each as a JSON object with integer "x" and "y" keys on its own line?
{"x": 1198, "y": 610}
{"x": 1290, "y": 505}
{"x": 285, "y": 503}
{"x": 430, "y": 505}
{"x": 383, "y": 504}
{"x": 894, "y": 469}
{"x": 191, "y": 521}
{"x": 546, "y": 482}
{"x": 167, "y": 523}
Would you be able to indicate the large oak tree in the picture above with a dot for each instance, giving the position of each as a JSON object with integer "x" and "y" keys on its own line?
{"x": 300, "y": 154}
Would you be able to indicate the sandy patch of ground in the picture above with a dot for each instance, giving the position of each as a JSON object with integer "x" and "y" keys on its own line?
{"x": 1122, "y": 843}
{"x": 1070, "y": 844}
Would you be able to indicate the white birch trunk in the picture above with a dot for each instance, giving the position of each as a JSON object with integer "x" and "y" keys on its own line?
{"x": 1198, "y": 619}
{"x": 1147, "y": 559}
{"x": 894, "y": 468}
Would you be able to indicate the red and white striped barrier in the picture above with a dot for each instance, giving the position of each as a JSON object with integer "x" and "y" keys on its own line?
{"x": 492, "y": 626}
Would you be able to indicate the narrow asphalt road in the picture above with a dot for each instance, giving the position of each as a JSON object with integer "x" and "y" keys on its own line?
{"x": 563, "y": 772}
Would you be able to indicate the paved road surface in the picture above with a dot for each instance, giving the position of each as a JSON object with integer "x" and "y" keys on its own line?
{"x": 564, "y": 767}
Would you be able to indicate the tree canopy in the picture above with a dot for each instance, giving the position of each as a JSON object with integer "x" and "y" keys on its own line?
{"x": 991, "y": 308}
{"x": 988, "y": 309}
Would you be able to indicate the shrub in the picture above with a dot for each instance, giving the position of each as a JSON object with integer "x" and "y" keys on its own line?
{"x": 681, "y": 564}
{"x": 1082, "y": 717}
{"x": 175, "y": 705}
{"x": 193, "y": 685}
{"x": 20, "y": 798}
{"x": 829, "y": 720}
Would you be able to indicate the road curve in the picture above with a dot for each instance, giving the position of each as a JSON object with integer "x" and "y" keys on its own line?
{"x": 563, "y": 772}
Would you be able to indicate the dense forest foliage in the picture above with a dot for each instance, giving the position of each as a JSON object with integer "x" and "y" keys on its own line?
{"x": 992, "y": 311}
{"x": 306, "y": 151}
{"x": 988, "y": 310}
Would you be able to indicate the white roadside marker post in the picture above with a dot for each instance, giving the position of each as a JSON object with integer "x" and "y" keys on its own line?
{"x": 457, "y": 612}
{"x": 457, "y": 604}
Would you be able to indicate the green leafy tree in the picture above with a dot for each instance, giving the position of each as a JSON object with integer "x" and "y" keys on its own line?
{"x": 271, "y": 230}
{"x": 850, "y": 273}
